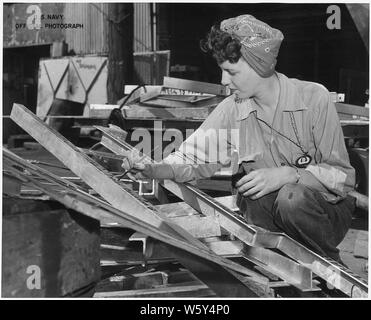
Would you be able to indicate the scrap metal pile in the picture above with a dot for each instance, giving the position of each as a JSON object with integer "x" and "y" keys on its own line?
{"x": 239, "y": 257}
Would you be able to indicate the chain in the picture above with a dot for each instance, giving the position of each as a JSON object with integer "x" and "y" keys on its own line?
{"x": 281, "y": 134}
{"x": 293, "y": 123}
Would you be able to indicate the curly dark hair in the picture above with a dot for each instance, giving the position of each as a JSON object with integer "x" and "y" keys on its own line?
{"x": 221, "y": 46}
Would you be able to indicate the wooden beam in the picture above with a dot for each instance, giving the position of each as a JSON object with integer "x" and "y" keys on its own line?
{"x": 120, "y": 49}
{"x": 199, "y": 227}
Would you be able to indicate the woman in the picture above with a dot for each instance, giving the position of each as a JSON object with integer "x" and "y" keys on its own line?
{"x": 295, "y": 168}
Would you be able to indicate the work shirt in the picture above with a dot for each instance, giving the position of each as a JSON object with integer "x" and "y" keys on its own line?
{"x": 303, "y": 107}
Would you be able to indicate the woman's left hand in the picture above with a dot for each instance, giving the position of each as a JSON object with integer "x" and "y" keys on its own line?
{"x": 260, "y": 182}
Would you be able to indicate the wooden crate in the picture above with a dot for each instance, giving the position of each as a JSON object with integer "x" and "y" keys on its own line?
{"x": 47, "y": 252}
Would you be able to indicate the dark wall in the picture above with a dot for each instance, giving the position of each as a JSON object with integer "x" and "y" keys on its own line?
{"x": 310, "y": 51}
{"x": 20, "y": 78}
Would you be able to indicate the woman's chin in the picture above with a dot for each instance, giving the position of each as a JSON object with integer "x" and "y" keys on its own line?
{"x": 240, "y": 95}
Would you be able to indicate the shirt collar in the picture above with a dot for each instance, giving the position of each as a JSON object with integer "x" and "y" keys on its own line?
{"x": 244, "y": 109}
{"x": 290, "y": 99}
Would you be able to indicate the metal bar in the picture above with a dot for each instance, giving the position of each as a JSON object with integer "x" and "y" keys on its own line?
{"x": 196, "y": 86}
{"x": 103, "y": 154}
{"x": 287, "y": 269}
{"x": 292, "y": 272}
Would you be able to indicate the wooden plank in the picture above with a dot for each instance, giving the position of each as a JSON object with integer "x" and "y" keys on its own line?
{"x": 227, "y": 248}
{"x": 189, "y": 219}
{"x": 193, "y": 290}
{"x": 196, "y": 86}
{"x": 199, "y": 227}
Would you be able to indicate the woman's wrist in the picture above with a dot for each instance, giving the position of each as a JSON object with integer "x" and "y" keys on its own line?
{"x": 292, "y": 174}
{"x": 296, "y": 174}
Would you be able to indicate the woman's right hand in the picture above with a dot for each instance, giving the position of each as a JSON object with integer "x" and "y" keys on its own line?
{"x": 133, "y": 165}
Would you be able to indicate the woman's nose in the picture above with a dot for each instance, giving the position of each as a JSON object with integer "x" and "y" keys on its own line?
{"x": 225, "y": 79}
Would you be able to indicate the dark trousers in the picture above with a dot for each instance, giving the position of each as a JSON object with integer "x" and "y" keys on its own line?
{"x": 304, "y": 215}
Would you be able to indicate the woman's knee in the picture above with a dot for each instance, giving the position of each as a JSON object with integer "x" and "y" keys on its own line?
{"x": 290, "y": 199}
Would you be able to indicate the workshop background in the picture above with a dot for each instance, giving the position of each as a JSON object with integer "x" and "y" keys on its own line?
{"x": 336, "y": 58}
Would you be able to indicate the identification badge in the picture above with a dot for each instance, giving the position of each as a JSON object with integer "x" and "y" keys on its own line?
{"x": 303, "y": 161}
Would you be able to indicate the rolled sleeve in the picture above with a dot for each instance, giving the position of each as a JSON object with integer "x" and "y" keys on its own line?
{"x": 207, "y": 150}
{"x": 333, "y": 169}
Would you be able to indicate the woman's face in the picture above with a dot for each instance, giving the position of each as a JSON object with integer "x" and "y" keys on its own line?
{"x": 240, "y": 78}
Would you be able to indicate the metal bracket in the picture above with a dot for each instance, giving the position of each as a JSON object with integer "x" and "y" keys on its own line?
{"x": 147, "y": 245}
{"x": 141, "y": 187}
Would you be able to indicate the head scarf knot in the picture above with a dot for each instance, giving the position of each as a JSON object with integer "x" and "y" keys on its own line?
{"x": 259, "y": 42}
